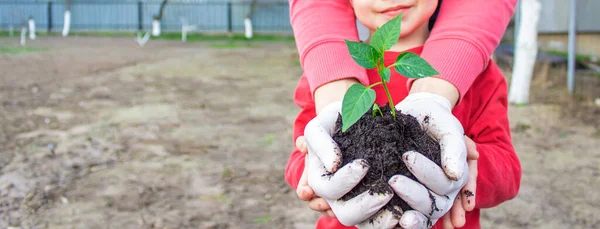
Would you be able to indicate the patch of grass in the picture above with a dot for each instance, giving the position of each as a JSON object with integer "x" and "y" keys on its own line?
{"x": 226, "y": 173}
{"x": 224, "y": 199}
{"x": 193, "y": 37}
{"x": 520, "y": 104}
{"x": 17, "y": 50}
{"x": 563, "y": 134}
{"x": 103, "y": 34}
{"x": 579, "y": 58}
{"x": 263, "y": 220}
{"x": 522, "y": 127}
{"x": 231, "y": 45}
{"x": 17, "y": 32}
{"x": 268, "y": 139}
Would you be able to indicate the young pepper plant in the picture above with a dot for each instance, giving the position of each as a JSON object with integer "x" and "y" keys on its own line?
{"x": 359, "y": 98}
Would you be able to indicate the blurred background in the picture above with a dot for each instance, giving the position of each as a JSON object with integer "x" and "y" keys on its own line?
{"x": 178, "y": 114}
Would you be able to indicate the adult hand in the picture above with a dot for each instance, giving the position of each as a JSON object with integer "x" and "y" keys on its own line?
{"x": 329, "y": 180}
{"x": 434, "y": 114}
{"x": 455, "y": 217}
{"x": 438, "y": 187}
{"x": 316, "y": 203}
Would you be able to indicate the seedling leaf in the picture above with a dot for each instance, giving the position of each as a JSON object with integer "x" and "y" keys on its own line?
{"x": 357, "y": 101}
{"x": 385, "y": 74}
{"x": 387, "y": 36}
{"x": 364, "y": 55}
{"x": 412, "y": 65}
{"x": 375, "y": 110}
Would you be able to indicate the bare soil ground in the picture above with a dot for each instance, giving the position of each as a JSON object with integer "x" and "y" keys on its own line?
{"x": 100, "y": 133}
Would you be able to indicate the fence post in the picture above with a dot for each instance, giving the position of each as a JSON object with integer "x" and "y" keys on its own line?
{"x": 229, "y": 20}
{"x": 49, "y": 16}
{"x": 140, "y": 17}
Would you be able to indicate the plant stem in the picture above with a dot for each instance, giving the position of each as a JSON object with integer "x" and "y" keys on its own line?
{"x": 380, "y": 68}
{"x": 387, "y": 92}
{"x": 375, "y": 84}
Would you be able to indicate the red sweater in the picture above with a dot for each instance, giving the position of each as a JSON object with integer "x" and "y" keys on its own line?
{"x": 459, "y": 47}
{"x": 483, "y": 115}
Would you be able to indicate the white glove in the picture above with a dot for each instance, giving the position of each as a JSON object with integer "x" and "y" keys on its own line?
{"x": 331, "y": 182}
{"x": 434, "y": 114}
{"x": 384, "y": 219}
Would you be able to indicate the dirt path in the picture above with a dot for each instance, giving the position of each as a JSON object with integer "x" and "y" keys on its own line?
{"x": 99, "y": 133}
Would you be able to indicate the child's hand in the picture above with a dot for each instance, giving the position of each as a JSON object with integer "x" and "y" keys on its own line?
{"x": 328, "y": 180}
{"x": 466, "y": 200}
{"x": 305, "y": 192}
{"x": 412, "y": 193}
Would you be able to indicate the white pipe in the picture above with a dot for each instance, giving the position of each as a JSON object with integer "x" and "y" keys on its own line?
{"x": 517, "y": 22}
{"x": 11, "y": 31}
{"x": 183, "y": 30}
{"x": 572, "y": 52}
{"x": 67, "y": 24}
{"x": 23, "y": 35}
{"x": 525, "y": 53}
{"x": 32, "y": 29}
{"x": 155, "y": 27}
{"x": 248, "y": 26}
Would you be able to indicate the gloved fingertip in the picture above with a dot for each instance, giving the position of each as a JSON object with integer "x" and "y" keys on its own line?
{"x": 358, "y": 168}
{"x": 453, "y": 172}
{"x": 387, "y": 196}
{"x": 409, "y": 157}
{"x": 408, "y": 220}
{"x": 362, "y": 162}
{"x": 397, "y": 180}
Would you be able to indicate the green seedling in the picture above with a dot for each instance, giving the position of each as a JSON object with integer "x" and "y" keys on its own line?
{"x": 359, "y": 98}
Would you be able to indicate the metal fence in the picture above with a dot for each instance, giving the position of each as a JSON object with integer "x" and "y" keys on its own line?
{"x": 554, "y": 17}
{"x": 208, "y": 16}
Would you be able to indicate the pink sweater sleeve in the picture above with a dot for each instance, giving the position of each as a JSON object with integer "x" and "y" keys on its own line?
{"x": 320, "y": 27}
{"x": 465, "y": 35}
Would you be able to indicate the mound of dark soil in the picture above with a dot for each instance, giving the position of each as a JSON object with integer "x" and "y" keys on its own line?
{"x": 382, "y": 141}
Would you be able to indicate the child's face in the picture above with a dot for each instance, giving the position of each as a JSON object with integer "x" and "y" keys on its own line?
{"x": 375, "y": 13}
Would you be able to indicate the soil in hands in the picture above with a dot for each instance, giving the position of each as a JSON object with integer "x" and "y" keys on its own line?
{"x": 382, "y": 141}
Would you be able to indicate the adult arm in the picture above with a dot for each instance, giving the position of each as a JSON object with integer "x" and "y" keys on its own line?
{"x": 461, "y": 43}
{"x": 320, "y": 28}
{"x": 465, "y": 35}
